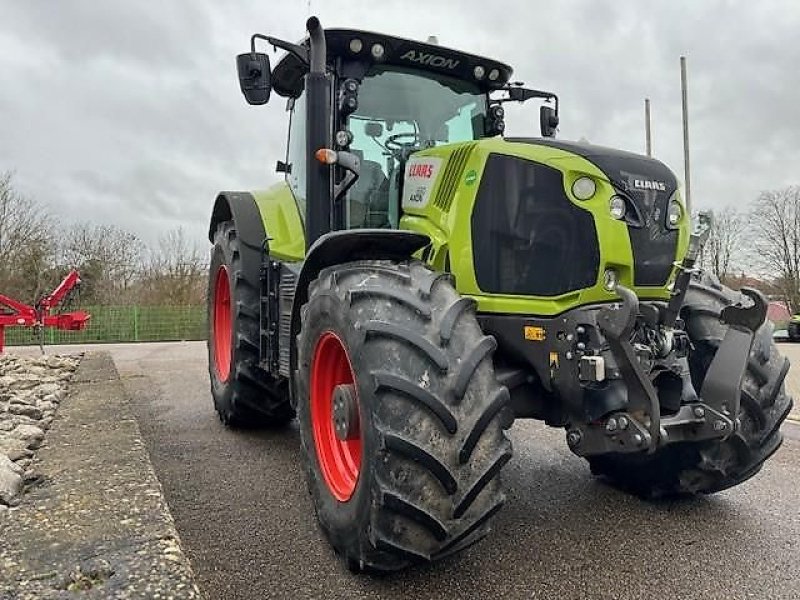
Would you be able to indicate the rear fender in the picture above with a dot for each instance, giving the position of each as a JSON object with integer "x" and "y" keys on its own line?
{"x": 241, "y": 208}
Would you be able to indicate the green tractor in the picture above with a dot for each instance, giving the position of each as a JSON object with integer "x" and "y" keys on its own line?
{"x": 418, "y": 281}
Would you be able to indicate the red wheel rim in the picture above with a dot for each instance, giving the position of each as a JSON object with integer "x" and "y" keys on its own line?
{"x": 222, "y": 330}
{"x": 339, "y": 461}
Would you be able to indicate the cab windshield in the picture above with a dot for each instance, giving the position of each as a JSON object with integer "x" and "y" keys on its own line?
{"x": 399, "y": 112}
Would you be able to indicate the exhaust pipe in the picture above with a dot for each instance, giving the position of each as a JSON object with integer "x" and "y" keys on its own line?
{"x": 318, "y": 119}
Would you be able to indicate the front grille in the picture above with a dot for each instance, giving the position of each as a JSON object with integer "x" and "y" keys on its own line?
{"x": 451, "y": 176}
{"x": 527, "y": 237}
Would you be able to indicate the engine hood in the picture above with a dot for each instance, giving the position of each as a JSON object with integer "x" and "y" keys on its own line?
{"x": 650, "y": 184}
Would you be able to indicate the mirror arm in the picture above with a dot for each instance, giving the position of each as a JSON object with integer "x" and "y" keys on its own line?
{"x": 519, "y": 94}
{"x": 298, "y": 51}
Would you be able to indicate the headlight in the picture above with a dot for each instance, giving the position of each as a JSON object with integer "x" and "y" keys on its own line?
{"x": 377, "y": 51}
{"x": 584, "y": 188}
{"x": 356, "y": 45}
{"x": 674, "y": 214}
{"x": 616, "y": 207}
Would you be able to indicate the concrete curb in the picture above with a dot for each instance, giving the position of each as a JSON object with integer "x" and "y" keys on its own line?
{"x": 97, "y": 525}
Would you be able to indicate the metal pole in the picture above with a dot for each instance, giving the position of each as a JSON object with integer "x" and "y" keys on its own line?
{"x": 685, "y": 104}
{"x": 647, "y": 136}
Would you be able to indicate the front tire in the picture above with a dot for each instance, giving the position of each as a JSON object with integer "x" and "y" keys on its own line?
{"x": 711, "y": 466}
{"x": 244, "y": 395}
{"x": 401, "y": 417}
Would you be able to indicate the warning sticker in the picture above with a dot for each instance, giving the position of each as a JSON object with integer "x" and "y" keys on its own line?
{"x": 534, "y": 334}
{"x": 420, "y": 176}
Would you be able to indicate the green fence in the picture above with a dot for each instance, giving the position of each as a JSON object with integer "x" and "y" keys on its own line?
{"x": 124, "y": 324}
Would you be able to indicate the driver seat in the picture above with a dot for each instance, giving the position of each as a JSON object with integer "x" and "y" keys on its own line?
{"x": 369, "y": 197}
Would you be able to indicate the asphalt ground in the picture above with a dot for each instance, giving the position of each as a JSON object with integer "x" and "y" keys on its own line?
{"x": 241, "y": 507}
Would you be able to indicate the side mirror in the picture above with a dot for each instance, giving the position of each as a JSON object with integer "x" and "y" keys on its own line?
{"x": 254, "y": 77}
{"x": 548, "y": 121}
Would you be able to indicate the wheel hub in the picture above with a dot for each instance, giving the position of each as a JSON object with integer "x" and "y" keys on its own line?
{"x": 345, "y": 412}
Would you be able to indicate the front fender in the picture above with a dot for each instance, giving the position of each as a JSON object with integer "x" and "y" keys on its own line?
{"x": 347, "y": 246}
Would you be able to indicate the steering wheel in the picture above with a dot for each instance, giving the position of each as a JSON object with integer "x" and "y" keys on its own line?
{"x": 394, "y": 144}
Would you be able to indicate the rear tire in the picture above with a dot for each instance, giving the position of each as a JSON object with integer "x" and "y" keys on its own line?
{"x": 420, "y": 478}
{"x": 711, "y": 466}
{"x": 244, "y": 394}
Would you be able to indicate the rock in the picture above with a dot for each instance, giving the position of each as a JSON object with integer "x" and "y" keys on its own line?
{"x": 26, "y": 397}
{"x": 6, "y": 424}
{"x": 25, "y": 382}
{"x": 52, "y": 398}
{"x": 18, "y": 420}
{"x": 47, "y": 389}
{"x": 10, "y": 480}
{"x": 14, "y": 448}
{"x": 25, "y": 410}
{"x": 30, "y": 434}
{"x": 47, "y": 407}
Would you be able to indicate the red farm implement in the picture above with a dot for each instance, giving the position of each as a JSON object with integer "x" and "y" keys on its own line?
{"x": 16, "y": 314}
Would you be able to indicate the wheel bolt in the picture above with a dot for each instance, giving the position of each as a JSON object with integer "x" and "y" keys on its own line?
{"x": 719, "y": 425}
{"x": 699, "y": 412}
{"x": 638, "y": 439}
{"x": 623, "y": 422}
{"x": 611, "y": 425}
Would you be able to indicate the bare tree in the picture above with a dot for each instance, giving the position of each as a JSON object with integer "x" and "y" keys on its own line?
{"x": 176, "y": 272}
{"x": 27, "y": 252}
{"x": 775, "y": 219}
{"x": 108, "y": 257}
{"x": 722, "y": 254}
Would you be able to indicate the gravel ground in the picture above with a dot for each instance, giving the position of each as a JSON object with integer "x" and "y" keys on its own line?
{"x": 31, "y": 388}
{"x": 96, "y": 525}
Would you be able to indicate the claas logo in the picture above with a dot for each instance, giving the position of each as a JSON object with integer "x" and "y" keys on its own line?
{"x": 422, "y": 170}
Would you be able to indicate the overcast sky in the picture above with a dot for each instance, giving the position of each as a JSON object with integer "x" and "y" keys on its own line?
{"x": 130, "y": 113}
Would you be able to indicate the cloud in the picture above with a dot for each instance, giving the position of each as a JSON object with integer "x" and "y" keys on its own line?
{"x": 130, "y": 113}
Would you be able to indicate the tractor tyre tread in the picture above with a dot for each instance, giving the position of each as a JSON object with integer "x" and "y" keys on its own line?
{"x": 429, "y": 483}
{"x": 251, "y": 397}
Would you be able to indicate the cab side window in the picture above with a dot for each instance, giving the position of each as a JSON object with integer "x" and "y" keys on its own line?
{"x": 296, "y": 153}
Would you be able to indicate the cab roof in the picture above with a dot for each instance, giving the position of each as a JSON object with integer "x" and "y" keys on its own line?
{"x": 287, "y": 77}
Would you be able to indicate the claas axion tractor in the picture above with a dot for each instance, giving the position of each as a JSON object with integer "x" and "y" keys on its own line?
{"x": 417, "y": 282}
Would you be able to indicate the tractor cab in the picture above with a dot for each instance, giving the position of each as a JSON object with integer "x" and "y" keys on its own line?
{"x": 390, "y": 97}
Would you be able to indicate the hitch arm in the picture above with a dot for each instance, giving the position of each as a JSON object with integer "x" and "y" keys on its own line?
{"x": 618, "y": 325}
{"x": 722, "y": 385}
